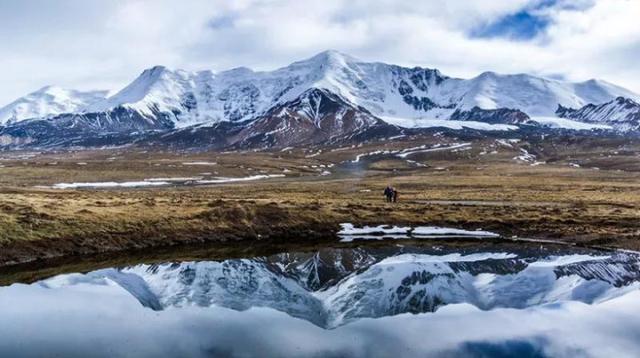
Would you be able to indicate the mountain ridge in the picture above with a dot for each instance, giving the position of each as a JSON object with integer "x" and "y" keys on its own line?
{"x": 621, "y": 113}
{"x": 384, "y": 96}
{"x": 384, "y": 89}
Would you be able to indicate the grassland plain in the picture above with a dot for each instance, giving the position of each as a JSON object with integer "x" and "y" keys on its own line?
{"x": 487, "y": 184}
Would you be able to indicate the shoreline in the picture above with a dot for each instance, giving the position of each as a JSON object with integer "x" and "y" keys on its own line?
{"x": 261, "y": 231}
{"x": 35, "y": 270}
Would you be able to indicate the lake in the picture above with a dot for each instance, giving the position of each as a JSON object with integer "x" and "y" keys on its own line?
{"x": 402, "y": 299}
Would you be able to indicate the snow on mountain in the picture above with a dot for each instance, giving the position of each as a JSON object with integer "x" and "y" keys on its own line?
{"x": 384, "y": 90}
{"x": 535, "y": 96}
{"x": 622, "y": 114}
{"x": 316, "y": 116}
{"x": 564, "y": 123}
{"x": 333, "y": 287}
{"x": 48, "y": 101}
{"x": 328, "y": 98}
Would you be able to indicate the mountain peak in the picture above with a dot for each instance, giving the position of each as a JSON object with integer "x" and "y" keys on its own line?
{"x": 48, "y": 101}
{"x": 154, "y": 84}
{"x": 334, "y": 55}
{"x": 154, "y": 72}
{"x": 327, "y": 59}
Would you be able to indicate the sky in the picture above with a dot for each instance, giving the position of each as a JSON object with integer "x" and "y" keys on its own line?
{"x": 105, "y": 44}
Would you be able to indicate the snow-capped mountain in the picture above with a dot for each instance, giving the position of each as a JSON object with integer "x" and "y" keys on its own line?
{"x": 48, "y": 101}
{"x": 329, "y": 98}
{"x": 532, "y": 95}
{"x": 384, "y": 90}
{"x": 333, "y": 287}
{"x": 623, "y": 114}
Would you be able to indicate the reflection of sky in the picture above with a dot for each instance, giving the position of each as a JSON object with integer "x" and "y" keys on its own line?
{"x": 104, "y": 319}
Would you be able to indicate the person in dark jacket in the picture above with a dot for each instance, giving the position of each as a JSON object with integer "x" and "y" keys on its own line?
{"x": 388, "y": 193}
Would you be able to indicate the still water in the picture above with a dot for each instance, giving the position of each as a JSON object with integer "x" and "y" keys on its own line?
{"x": 370, "y": 301}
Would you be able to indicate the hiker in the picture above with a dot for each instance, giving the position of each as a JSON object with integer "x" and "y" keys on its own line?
{"x": 388, "y": 193}
{"x": 395, "y": 195}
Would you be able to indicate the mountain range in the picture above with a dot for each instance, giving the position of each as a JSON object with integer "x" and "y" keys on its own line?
{"x": 329, "y": 98}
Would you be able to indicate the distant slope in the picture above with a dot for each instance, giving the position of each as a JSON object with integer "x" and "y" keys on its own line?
{"x": 48, "y": 101}
{"x": 622, "y": 114}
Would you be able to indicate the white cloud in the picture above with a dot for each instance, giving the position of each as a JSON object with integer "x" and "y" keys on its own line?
{"x": 106, "y": 44}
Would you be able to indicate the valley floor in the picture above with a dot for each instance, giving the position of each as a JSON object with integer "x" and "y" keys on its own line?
{"x": 303, "y": 195}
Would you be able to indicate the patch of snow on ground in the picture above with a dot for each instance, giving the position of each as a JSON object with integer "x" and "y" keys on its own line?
{"x": 222, "y": 180}
{"x": 405, "y": 153}
{"x": 350, "y": 233}
{"x": 416, "y": 163}
{"x": 350, "y": 229}
{"x": 176, "y": 179}
{"x": 525, "y": 156}
{"x": 314, "y": 154}
{"x": 162, "y": 181}
{"x": 359, "y": 156}
{"x": 504, "y": 143}
{"x": 199, "y": 163}
{"x": 129, "y": 184}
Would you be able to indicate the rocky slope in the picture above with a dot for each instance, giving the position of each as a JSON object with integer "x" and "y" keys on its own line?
{"x": 316, "y": 116}
{"x": 623, "y": 114}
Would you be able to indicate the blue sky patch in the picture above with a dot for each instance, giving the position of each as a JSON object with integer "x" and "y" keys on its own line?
{"x": 222, "y": 22}
{"x": 522, "y": 25}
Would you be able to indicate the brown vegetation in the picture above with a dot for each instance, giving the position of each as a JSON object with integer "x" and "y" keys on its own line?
{"x": 465, "y": 190}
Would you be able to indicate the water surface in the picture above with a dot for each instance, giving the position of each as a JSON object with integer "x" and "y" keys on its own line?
{"x": 382, "y": 300}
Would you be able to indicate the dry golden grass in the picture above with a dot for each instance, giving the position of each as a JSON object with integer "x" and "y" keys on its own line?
{"x": 461, "y": 189}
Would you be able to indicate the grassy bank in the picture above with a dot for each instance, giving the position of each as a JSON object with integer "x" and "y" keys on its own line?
{"x": 462, "y": 189}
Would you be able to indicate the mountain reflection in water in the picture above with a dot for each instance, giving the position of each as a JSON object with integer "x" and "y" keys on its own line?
{"x": 376, "y": 301}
